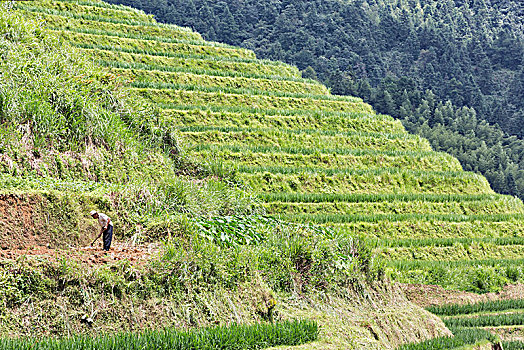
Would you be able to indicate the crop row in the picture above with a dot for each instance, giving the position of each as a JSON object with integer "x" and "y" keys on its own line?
{"x": 152, "y": 47}
{"x": 244, "y": 91}
{"x": 376, "y": 198}
{"x": 433, "y": 162}
{"x": 478, "y": 276}
{"x": 160, "y": 79}
{"x": 164, "y": 28}
{"x": 319, "y": 152}
{"x": 326, "y": 218}
{"x": 68, "y": 23}
{"x": 394, "y": 230}
{"x": 136, "y": 65}
{"x": 461, "y": 338}
{"x": 207, "y": 65}
{"x": 445, "y": 242}
{"x": 92, "y": 11}
{"x": 103, "y": 4}
{"x": 512, "y": 319}
{"x": 486, "y": 306}
{"x": 351, "y": 122}
{"x": 235, "y": 337}
{"x": 397, "y": 207}
{"x": 457, "y": 252}
{"x": 169, "y": 96}
{"x": 270, "y": 180}
{"x": 513, "y": 345}
{"x": 295, "y": 139}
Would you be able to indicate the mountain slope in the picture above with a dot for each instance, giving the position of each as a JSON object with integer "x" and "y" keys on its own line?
{"x": 311, "y": 157}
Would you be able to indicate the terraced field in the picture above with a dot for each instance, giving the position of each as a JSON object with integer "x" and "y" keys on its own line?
{"x": 498, "y": 321}
{"x": 311, "y": 156}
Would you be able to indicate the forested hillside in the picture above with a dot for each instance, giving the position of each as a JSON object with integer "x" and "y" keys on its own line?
{"x": 451, "y": 70}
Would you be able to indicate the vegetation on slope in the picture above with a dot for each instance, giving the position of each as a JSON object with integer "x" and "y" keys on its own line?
{"x": 392, "y": 53}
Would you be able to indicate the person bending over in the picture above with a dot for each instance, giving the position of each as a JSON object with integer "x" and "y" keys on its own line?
{"x": 106, "y": 228}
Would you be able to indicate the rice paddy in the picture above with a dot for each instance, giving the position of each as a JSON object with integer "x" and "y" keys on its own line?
{"x": 315, "y": 157}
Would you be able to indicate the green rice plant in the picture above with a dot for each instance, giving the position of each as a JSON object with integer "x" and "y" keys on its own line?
{"x": 318, "y": 152}
{"x": 243, "y": 91}
{"x": 151, "y": 47}
{"x": 479, "y": 276}
{"x": 103, "y": 4}
{"x": 267, "y": 180}
{"x": 224, "y": 99}
{"x": 461, "y": 338}
{"x": 475, "y": 251}
{"x": 350, "y": 122}
{"x": 377, "y": 198}
{"x": 98, "y": 11}
{"x": 486, "y": 306}
{"x": 433, "y": 162}
{"x": 402, "y": 230}
{"x": 159, "y": 79}
{"x": 504, "y": 206}
{"x": 217, "y": 72}
{"x": 513, "y": 345}
{"x": 513, "y": 319}
{"x": 30, "y": 7}
{"x": 202, "y": 64}
{"x": 346, "y": 218}
{"x": 221, "y": 62}
{"x": 447, "y": 242}
{"x": 300, "y": 138}
{"x": 57, "y": 22}
{"x": 406, "y": 265}
{"x": 234, "y": 337}
{"x": 130, "y": 32}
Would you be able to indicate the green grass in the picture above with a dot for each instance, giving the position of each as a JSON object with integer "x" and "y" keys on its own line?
{"x": 487, "y": 306}
{"x": 234, "y": 337}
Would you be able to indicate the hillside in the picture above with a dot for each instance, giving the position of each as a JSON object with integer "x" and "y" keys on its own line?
{"x": 197, "y": 127}
{"x": 451, "y": 70}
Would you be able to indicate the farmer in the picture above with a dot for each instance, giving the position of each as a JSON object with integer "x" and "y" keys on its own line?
{"x": 106, "y": 228}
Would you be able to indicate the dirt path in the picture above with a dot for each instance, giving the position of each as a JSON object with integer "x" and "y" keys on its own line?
{"x": 430, "y": 295}
{"x": 138, "y": 254}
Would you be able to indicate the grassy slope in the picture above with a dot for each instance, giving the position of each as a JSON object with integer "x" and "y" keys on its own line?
{"x": 201, "y": 85}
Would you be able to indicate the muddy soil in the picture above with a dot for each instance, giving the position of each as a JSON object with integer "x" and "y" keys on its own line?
{"x": 138, "y": 254}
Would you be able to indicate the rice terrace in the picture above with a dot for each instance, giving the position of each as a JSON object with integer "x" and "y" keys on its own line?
{"x": 252, "y": 208}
